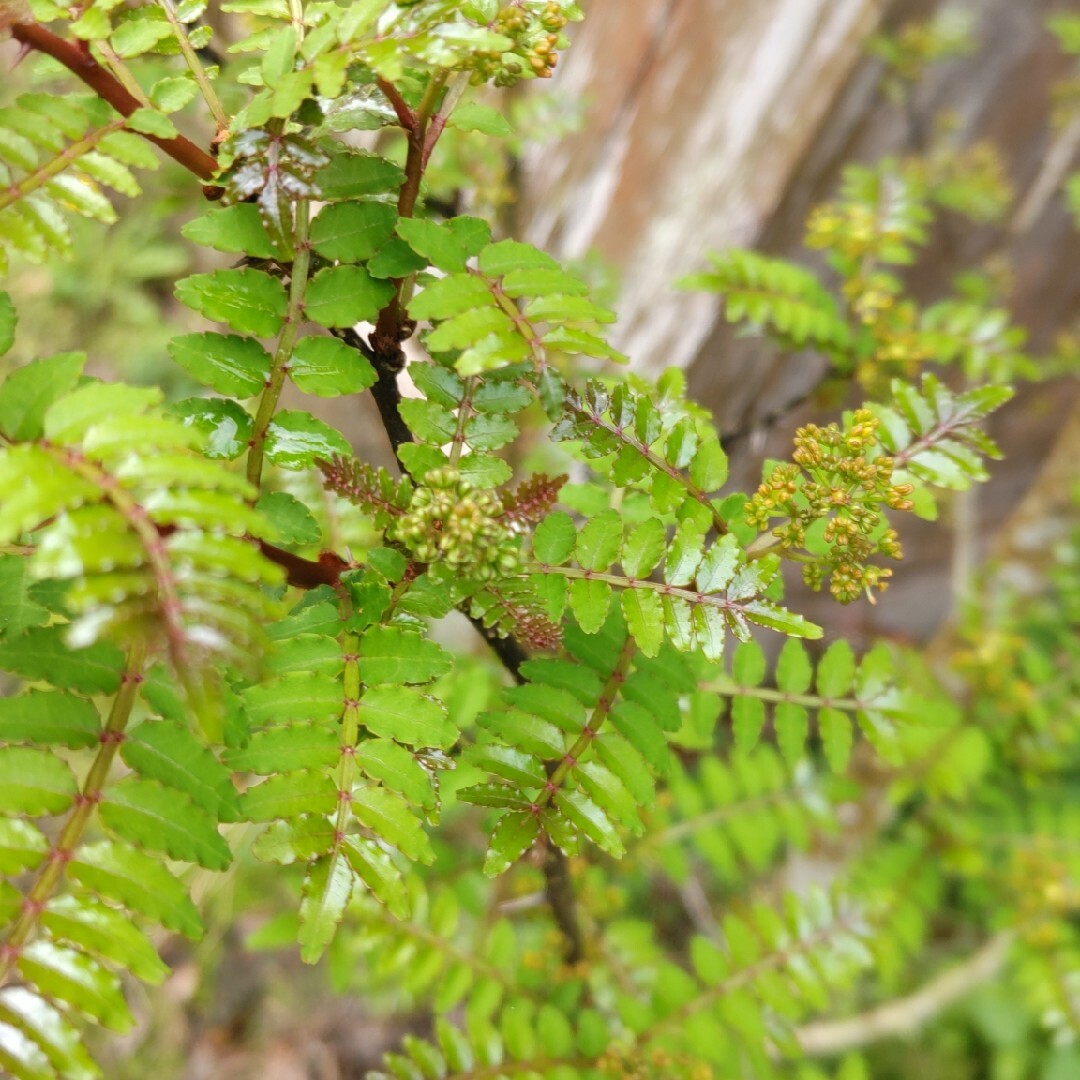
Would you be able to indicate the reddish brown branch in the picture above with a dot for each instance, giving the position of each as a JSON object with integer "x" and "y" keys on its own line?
{"x": 304, "y": 573}
{"x": 405, "y": 115}
{"x": 108, "y": 88}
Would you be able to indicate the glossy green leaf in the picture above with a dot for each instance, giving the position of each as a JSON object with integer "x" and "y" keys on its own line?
{"x": 407, "y": 716}
{"x": 289, "y": 796}
{"x": 236, "y": 228}
{"x": 67, "y": 975}
{"x": 586, "y": 816}
{"x": 141, "y": 883}
{"x": 344, "y": 295}
{"x": 590, "y": 601}
{"x": 356, "y": 175}
{"x": 389, "y": 654}
{"x": 167, "y": 752}
{"x": 106, "y": 932}
{"x": 599, "y": 541}
{"x": 48, "y": 1033}
{"x": 250, "y": 301}
{"x": 326, "y": 891}
{"x": 226, "y": 427}
{"x": 352, "y": 231}
{"x": 390, "y": 819}
{"x": 394, "y": 767}
{"x": 513, "y": 835}
{"x": 34, "y": 782}
{"x": 296, "y": 440}
{"x": 643, "y": 610}
{"x": 27, "y": 393}
{"x": 22, "y": 846}
{"x": 327, "y": 367}
{"x": 163, "y": 819}
{"x": 287, "y": 748}
{"x": 229, "y": 364}
{"x": 46, "y": 717}
{"x": 378, "y": 872}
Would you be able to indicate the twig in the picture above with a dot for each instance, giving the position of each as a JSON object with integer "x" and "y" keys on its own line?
{"x": 906, "y": 1015}
{"x": 109, "y": 88}
{"x": 771, "y": 418}
{"x": 202, "y": 80}
{"x": 298, "y": 283}
{"x": 559, "y": 890}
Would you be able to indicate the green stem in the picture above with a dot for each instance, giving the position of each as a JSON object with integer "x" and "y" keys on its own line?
{"x": 157, "y": 553}
{"x": 654, "y": 460}
{"x": 283, "y": 354}
{"x": 71, "y": 834}
{"x": 464, "y": 412}
{"x": 56, "y": 165}
{"x": 202, "y": 80}
{"x": 589, "y": 732}
{"x": 729, "y": 688}
{"x": 808, "y": 946}
{"x": 350, "y": 735}
{"x": 296, "y": 14}
{"x": 122, "y": 73}
{"x": 690, "y": 595}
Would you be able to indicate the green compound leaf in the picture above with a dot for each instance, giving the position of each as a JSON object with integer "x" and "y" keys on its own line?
{"x": 119, "y": 872}
{"x": 164, "y": 819}
{"x": 250, "y": 301}
{"x": 296, "y": 440}
{"x": 34, "y": 782}
{"x": 229, "y": 364}
{"x": 344, "y": 295}
{"x": 328, "y": 367}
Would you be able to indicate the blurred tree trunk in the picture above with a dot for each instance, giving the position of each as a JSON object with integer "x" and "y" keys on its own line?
{"x": 712, "y": 123}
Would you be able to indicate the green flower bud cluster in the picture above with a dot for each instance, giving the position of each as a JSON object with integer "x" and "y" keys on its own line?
{"x": 536, "y": 31}
{"x": 835, "y": 478}
{"x": 449, "y": 522}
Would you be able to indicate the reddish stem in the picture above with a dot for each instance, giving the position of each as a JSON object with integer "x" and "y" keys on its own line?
{"x": 406, "y": 117}
{"x": 107, "y": 87}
